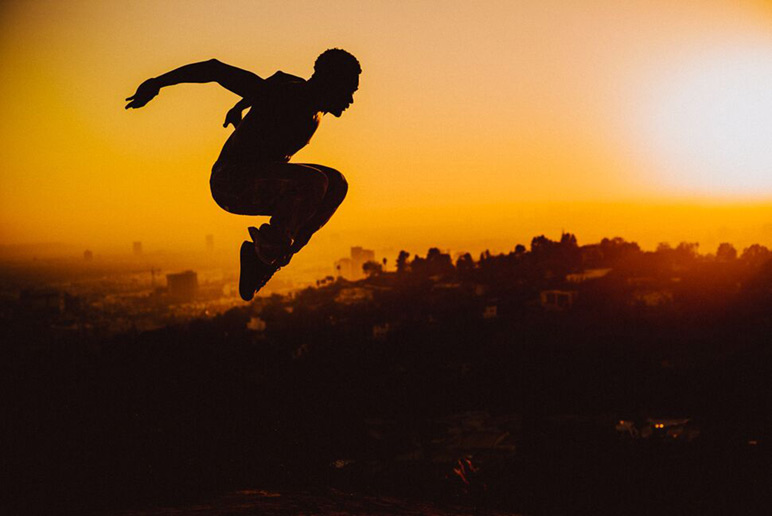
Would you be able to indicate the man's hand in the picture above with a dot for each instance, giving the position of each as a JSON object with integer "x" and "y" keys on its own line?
{"x": 145, "y": 93}
{"x": 233, "y": 116}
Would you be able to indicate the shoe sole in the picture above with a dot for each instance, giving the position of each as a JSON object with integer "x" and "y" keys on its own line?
{"x": 248, "y": 276}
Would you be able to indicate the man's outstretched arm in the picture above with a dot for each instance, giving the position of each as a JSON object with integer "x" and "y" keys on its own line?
{"x": 241, "y": 82}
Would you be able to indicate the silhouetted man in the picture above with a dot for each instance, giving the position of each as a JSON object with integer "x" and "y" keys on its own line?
{"x": 252, "y": 175}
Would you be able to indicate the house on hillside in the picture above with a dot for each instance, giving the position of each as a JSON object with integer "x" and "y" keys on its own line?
{"x": 557, "y": 300}
{"x": 586, "y": 275}
{"x": 352, "y": 295}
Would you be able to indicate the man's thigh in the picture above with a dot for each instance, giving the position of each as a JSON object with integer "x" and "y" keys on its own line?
{"x": 254, "y": 189}
{"x": 335, "y": 180}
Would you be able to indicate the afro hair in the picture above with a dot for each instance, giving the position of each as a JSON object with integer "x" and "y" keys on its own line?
{"x": 336, "y": 62}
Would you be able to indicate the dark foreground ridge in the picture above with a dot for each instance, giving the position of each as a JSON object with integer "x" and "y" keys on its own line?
{"x": 561, "y": 380}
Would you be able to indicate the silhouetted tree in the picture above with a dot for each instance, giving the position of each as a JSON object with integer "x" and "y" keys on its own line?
{"x": 418, "y": 265}
{"x": 616, "y": 250}
{"x": 372, "y": 268}
{"x": 756, "y": 255}
{"x": 726, "y": 252}
{"x": 435, "y": 263}
{"x": 568, "y": 240}
{"x": 556, "y": 259}
{"x": 570, "y": 254}
{"x": 687, "y": 250}
{"x": 541, "y": 246}
{"x": 402, "y": 263}
{"x": 465, "y": 265}
{"x": 439, "y": 262}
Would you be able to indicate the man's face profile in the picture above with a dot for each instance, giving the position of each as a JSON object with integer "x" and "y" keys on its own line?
{"x": 339, "y": 94}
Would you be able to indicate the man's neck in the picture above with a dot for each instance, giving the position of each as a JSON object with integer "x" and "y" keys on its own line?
{"x": 314, "y": 93}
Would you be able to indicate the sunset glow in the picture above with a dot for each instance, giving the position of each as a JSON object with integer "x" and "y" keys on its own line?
{"x": 487, "y": 123}
{"x": 708, "y": 124}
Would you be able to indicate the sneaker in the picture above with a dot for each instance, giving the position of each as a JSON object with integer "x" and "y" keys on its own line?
{"x": 250, "y": 271}
{"x": 271, "y": 245}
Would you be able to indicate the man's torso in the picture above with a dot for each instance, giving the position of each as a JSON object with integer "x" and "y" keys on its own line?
{"x": 279, "y": 123}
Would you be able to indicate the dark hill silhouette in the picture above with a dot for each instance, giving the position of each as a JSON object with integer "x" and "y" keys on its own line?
{"x": 382, "y": 385}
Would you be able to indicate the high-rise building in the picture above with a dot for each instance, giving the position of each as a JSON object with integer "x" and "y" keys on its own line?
{"x": 351, "y": 268}
{"x": 183, "y": 286}
{"x": 359, "y": 257}
{"x": 343, "y": 268}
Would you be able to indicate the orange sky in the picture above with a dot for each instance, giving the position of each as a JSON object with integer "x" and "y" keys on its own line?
{"x": 477, "y": 124}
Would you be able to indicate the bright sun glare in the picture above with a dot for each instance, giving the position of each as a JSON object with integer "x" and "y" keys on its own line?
{"x": 710, "y": 125}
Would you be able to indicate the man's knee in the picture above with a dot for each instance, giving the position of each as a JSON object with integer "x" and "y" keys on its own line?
{"x": 321, "y": 184}
{"x": 337, "y": 184}
{"x": 313, "y": 184}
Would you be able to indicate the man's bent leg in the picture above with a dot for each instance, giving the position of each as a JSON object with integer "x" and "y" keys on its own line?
{"x": 303, "y": 189}
{"x": 337, "y": 187}
{"x": 290, "y": 193}
{"x": 298, "y": 192}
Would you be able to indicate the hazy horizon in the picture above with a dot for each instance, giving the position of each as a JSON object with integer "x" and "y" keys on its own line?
{"x": 740, "y": 225}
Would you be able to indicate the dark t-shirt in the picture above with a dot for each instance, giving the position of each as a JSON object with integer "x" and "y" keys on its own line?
{"x": 281, "y": 121}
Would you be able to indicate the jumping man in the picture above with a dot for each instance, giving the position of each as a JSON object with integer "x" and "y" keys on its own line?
{"x": 253, "y": 175}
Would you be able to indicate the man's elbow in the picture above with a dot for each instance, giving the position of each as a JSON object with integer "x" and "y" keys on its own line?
{"x": 213, "y": 64}
{"x": 217, "y": 70}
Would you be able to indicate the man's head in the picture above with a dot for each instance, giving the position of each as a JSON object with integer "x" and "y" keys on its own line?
{"x": 336, "y": 76}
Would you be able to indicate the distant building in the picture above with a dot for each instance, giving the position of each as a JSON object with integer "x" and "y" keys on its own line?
{"x": 491, "y": 312}
{"x": 88, "y": 255}
{"x": 343, "y": 268}
{"x": 351, "y": 268}
{"x": 136, "y": 247}
{"x": 353, "y": 295}
{"x": 47, "y": 301}
{"x": 256, "y": 324}
{"x": 381, "y": 331}
{"x": 652, "y": 298}
{"x": 557, "y": 299}
{"x": 359, "y": 257}
{"x": 588, "y": 274}
{"x": 210, "y": 243}
{"x": 183, "y": 286}
{"x": 153, "y": 272}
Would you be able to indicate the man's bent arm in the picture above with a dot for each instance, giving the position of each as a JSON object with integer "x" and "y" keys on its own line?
{"x": 234, "y": 114}
{"x": 241, "y": 82}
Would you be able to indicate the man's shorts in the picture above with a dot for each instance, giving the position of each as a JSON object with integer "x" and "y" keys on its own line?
{"x": 248, "y": 189}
